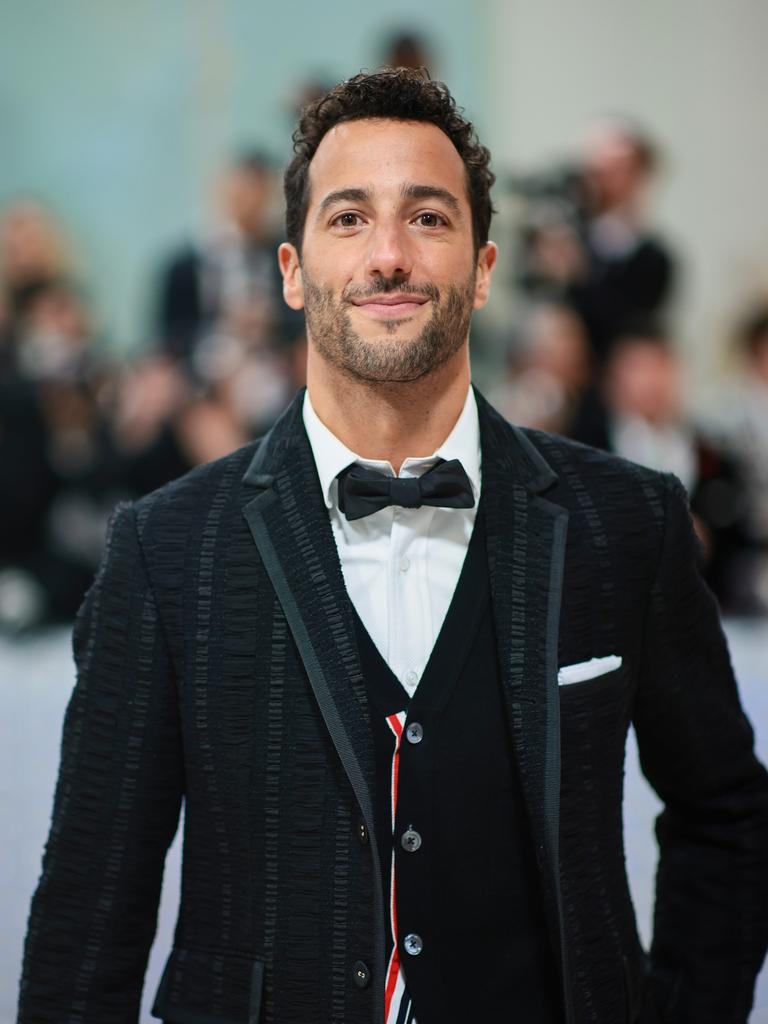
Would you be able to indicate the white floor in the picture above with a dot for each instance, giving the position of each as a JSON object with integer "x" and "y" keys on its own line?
{"x": 36, "y": 677}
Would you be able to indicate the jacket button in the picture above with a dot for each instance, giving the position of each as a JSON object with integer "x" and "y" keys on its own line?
{"x": 413, "y": 944}
{"x": 361, "y": 973}
{"x": 410, "y": 840}
{"x": 362, "y": 832}
{"x": 414, "y": 733}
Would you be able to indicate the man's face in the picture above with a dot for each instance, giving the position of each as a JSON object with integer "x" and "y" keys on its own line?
{"x": 644, "y": 380}
{"x": 614, "y": 172}
{"x": 246, "y": 199}
{"x": 388, "y": 276}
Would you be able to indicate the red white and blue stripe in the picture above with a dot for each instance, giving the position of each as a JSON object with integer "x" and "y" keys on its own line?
{"x": 398, "y": 1008}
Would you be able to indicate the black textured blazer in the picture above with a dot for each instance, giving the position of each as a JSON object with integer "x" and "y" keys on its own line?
{"x": 217, "y": 664}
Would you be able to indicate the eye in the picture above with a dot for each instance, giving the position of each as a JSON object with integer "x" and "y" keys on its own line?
{"x": 428, "y": 219}
{"x": 346, "y": 220}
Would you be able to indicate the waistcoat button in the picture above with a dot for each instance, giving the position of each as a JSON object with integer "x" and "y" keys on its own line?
{"x": 362, "y": 832}
{"x": 413, "y": 944}
{"x": 410, "y": 840}
{"x": 361, "y": 973}
{"x": 414, "y": 733}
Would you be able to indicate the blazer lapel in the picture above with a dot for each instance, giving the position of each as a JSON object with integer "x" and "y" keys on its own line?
{"x": 526, "y": 554}
{"x": 289, "y": 524}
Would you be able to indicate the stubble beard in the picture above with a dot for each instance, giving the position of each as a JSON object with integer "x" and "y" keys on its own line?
{"x": 388, "y": 358}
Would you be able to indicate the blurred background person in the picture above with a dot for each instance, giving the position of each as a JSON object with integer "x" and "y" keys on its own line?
{"x": 646, "y": 422}
{"x": 223, "y": 321}
{"x": 585, "y": 234}
{"x": 551, "y": 377}
{"x": 33, "y": 253}
{"x": 751, "y": 421}
{"x": 629, "y": 272}
{"x": 56, "y": 458}
{"x": 55, "y": 464}
{"x": 229, "y": 280}
{"x": 739, "y": 418}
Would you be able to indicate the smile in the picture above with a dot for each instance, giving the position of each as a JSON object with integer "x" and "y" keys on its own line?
{"x": 391, "y": 307}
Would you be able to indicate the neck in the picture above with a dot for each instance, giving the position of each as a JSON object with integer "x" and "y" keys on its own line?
{"x": 390, "y": 421}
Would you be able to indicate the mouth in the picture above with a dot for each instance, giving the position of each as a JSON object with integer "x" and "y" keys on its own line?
{"x": 391, "y": 307}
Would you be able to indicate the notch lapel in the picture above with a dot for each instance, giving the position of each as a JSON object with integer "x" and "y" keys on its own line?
{"x": 289, "y": 524}
{"x": 526, "y": 556}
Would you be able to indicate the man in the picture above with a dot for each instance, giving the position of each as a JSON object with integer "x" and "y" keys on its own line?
{"x": 594, "y": 247}
{"x": 630, "y": 272}
{"x": 228, "y": 281}
{"x": 388, "y": 655}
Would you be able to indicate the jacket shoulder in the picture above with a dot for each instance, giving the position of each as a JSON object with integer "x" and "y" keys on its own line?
{"x": 204, "y": 495}
{"x": 587, "y": 475}
{"x": 583, "y": 457}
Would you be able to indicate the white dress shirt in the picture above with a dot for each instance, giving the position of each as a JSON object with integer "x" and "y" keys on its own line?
{"x": 401, "y": 565}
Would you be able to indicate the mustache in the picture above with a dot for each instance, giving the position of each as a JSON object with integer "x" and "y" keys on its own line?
{"x": 385, "y": 285}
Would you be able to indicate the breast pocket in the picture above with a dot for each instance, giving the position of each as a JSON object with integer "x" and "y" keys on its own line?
{"x": 589, "y": 671}
{"x": 594, "y": 717}
{"x": 206, "y": 987}
{"x": 581, "y": 691}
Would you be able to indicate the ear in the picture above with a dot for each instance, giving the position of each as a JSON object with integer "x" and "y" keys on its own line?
{"x": 486, "y": 261}
{"x": 290, "y": 268}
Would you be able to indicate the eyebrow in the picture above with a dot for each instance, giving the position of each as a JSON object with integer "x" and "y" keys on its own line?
{"x": 414, "y": 191}
{"x": 343, "y": 195}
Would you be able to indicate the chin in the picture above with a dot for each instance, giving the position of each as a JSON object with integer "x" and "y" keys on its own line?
{"x": 390, "y": 326}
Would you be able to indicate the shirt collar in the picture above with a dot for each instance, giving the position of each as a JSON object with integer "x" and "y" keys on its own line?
{"x": 331, "y": 456}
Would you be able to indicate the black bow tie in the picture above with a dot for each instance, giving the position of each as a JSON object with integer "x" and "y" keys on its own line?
{"x": 364, "y": 491}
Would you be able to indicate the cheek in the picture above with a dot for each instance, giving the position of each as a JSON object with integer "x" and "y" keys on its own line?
{"x": 332, "y": 269}
{"x": 442, "y": 264}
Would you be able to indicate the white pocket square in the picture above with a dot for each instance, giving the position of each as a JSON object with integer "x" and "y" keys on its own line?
{"x": 583, "y": 670}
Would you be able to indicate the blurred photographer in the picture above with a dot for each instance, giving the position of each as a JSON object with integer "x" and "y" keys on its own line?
{"x": 585, "y": 238}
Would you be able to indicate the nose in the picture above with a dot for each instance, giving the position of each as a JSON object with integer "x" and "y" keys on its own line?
{"x": 389, "y": 251}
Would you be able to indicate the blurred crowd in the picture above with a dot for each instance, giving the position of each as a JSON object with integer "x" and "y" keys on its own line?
{"x": 593, "y": 356}
{"x": 81, "y": 430}
{"x": 588, "y": 353}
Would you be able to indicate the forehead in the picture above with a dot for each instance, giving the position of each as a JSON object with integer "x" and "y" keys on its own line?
{"x": 383, "y": 154}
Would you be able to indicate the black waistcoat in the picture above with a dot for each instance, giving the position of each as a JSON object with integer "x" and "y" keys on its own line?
{"x": 470, "y": 891}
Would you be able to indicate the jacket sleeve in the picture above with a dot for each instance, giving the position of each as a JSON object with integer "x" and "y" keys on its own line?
{"x": 116, "y": 807}
{"x": 696, "y": 749}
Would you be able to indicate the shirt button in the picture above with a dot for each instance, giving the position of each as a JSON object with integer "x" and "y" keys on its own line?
{"x": 411, "y": 677}
{"x": 413, "y": 944}
{"x": 414, "y": 733}
{"x": 361, "y": 973}
{"x": 410, "y": 840}
{"x": 405, "y": 564}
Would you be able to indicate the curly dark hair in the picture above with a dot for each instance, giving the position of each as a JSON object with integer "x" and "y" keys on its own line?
{"x": 401, "y": 94}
